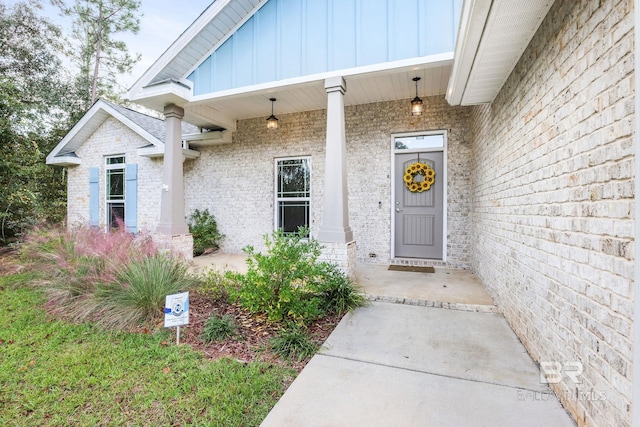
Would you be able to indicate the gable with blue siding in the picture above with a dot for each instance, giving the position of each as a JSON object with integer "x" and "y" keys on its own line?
{"x": 295, "y": 38}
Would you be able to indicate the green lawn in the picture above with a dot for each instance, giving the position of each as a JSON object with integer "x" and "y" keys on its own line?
{"x": 53, "y": 373}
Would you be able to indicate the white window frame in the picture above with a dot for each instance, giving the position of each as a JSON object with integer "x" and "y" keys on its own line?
{"x": 277, "y": 199}
{"x": 107, "y": 201}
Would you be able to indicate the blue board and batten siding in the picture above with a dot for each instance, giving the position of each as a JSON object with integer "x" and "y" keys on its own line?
{"x": 295, "y": 38}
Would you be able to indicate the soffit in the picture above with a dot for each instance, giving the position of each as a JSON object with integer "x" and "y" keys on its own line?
{"x": 387, "y": 85}
{"x": 492, "y": 38}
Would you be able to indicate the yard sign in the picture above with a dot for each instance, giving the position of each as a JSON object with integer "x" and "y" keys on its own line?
{"x": 176, "y": 311}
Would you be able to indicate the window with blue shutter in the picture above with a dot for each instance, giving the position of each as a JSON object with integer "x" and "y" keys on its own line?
{"x": 115, "y": 193}
{"x": 94, "y": 197}
{"x": 131, "y": 198}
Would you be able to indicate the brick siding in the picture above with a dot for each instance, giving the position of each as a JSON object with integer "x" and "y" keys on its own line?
{"x": 236, "y": 181}
{"x": 552, "y": 188}
{"x": 114, "y": 138}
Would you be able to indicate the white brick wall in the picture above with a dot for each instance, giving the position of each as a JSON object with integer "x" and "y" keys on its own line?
{"x": 552, "y": 202}
{"x": 236, "y": 181}
{"x": 114, "y": 138}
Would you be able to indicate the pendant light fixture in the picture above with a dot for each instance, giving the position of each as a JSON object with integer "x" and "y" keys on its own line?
{"x": 272, "y": 121}
{"x": 416, "y": 104}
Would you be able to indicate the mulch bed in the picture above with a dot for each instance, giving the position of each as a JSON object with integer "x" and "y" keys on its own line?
{"x": 255, "y": 332}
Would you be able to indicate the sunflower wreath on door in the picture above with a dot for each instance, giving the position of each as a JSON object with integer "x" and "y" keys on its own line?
{"x": 425, "y": 171}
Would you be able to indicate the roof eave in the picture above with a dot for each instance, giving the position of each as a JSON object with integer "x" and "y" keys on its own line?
{"x": 64, "y": 161}
{"x": 487, "y": 27}
{"x": 158, "y": 95}
{"x": 185, "y": 38}
{"x": 154, "y": 152}
{"x": 472, "y": 23}
{"x": 94, "y": 117}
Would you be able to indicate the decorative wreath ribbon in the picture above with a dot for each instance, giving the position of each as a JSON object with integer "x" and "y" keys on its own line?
{"x": 428, "y": 177}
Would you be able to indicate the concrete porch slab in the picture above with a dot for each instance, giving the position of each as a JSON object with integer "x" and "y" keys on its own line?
{"x": 449, "y": 285}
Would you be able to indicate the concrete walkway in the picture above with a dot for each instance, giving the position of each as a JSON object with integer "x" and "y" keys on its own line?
{"x": 444, "y": 356}
{"x": 401, "y": 365}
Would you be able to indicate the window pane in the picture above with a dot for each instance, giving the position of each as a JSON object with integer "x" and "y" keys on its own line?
{"x": 115, "y": 184}
{"x": 115, "y": 214}
{"x": 420, "y": 141}
{"x": 292, "y": 215}
{"x": 294, "y": 178}
{"x": 115, "y": 160}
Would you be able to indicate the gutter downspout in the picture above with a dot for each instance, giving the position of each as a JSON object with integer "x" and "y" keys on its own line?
{"x": 635, "y": 398}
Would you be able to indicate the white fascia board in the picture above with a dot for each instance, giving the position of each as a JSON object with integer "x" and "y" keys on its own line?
{"x": 169, "y": 92}
{"x": 51, "y": 157}
{"x": 177, "y": 46}
{"x": 64, "y": 161}
{"x": 208, "y": 138}
{"x": 158, "y": 152}
{"x": 472, "y": 23}
{"x": 92, "y": 115}
{"x": 417, "y": 63}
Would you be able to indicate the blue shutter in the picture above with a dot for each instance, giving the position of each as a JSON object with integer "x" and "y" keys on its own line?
{"x": 131, "y": 198}
{"x": 94, "y": 197}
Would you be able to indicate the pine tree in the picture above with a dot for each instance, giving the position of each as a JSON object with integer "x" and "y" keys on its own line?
{"x": 100, "y": 56}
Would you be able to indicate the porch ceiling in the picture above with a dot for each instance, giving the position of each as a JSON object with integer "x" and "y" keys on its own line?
{"x": 364, "y": 88}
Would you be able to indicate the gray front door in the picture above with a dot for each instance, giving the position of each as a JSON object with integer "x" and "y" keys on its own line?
{"x": 418, "y": 215}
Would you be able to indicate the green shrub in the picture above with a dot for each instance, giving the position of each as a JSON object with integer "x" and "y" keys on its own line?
{"x": 219, "y": 328}
{"x": 293, "y": 342}
{"x": 213, "y": 284}
{"x": 204, "y": 228}
{"x": 338, "y": 293}
{"x": 277, "y": 282}
{"x": 138, "y": 294}
{"x": 288, "y": 284}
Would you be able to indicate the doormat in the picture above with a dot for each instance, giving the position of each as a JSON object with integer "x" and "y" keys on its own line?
{"x": 413, "y": 268}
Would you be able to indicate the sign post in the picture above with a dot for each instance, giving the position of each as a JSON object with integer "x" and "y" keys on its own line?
{"x": 176, "y": 312}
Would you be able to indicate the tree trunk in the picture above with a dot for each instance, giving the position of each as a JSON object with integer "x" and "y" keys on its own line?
{"x": 96, "y": 68}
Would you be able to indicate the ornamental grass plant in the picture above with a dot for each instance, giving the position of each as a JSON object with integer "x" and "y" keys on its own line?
{"x": 116, "y": 279}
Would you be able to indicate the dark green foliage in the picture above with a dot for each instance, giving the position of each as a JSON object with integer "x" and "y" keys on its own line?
{"x": 337, "y": 292}
{"x": 219, "y": 328}
{"x": 288, "y": 284}
{"x": 34, "y": 109}
{"x": 204, "y": 228}
{"x": 293, "y": 342}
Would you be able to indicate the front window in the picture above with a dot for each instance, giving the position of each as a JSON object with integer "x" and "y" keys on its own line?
{"x": 293, "y": 193}
{"x": 115, "y": 191}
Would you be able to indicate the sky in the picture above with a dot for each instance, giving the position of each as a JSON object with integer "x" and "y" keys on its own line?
{"x": 161, "y": 24}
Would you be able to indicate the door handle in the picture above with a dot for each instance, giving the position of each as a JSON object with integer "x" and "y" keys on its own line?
{"x": 398, "y": 210}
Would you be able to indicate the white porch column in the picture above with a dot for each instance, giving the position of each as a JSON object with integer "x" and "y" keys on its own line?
{"x": 335, "y": 218}
{"x": 335, "y": 233}
{"x": 172, "y": 221}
